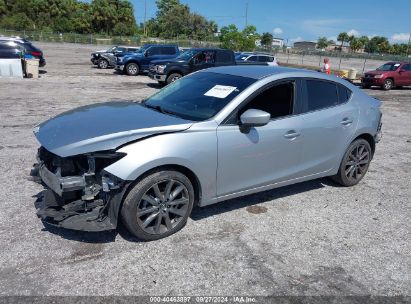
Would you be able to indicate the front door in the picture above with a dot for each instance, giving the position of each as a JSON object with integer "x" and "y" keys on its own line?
{"x": 264, "y": 155}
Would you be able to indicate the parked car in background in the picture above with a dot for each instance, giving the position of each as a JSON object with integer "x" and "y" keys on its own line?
{"x": 211, "y": 136}
{"x": 11, "y": 50}
{"x": 133, "y": 64}
{"x": 104, "y": 58}
{"x": 29, "y": 48}
{"x": 389, "y": 75}
{"x": 167, "y": 71}
{"x": 257, "y": 57}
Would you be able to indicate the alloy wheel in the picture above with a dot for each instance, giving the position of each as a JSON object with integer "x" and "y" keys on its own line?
{"x": 163, "y": 206}
{"x": 357, "y": 162}
{"x": 132, "y": 69}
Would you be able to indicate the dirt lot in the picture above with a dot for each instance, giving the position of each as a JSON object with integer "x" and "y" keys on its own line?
{"x": 313, "y": 238}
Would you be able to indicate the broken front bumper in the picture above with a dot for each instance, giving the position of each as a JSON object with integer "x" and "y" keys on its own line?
{"x": 78, "y": 202}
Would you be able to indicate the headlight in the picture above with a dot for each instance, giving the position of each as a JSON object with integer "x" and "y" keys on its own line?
{"x": 378, "y": 76}
{"x": 160, "y": 68}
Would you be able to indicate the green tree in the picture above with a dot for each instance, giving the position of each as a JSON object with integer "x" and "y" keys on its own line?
{"x": 322, "y": 43}
{"x": 232, "y": 39}
{"x": 267, "y": 40}
{"x": 3, "y": 8}
{"x": 355, "y": 44}
{"x": 343, "y": 37}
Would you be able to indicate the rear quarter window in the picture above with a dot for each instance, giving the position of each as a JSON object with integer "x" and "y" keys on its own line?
{"x": 344, "y": 94}
{"x": 320, "y": 94}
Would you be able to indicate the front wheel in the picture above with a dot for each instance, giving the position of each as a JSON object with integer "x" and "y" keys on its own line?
{"x": 159, "y": 205}
{"x": 102, "y": 64}
{"x": 388, "y": 84}
{"x": 132, "y": 69}
{"x": 354, "y": 164}
{"x": 173, "y": 77}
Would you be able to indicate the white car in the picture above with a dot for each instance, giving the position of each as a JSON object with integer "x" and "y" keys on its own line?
{"x": 252, "y": 57}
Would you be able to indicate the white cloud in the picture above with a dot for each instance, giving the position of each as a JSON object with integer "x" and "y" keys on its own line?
{"x": 353, "y": 32}
{"x": 400, "y": 37}
{"x": 278, "y": 31}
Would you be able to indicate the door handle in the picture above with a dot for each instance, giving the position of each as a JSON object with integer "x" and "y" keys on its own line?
{"x": 291, "y": 134}
{"x": 346, "y": 121}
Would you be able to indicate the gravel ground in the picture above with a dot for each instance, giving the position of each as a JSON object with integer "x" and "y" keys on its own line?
{"x": 313, "y": 238}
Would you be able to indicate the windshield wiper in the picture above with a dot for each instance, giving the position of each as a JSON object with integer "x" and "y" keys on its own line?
{"x": 160, "y": 109}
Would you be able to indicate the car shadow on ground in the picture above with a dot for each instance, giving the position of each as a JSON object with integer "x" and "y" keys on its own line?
{"x": 197, "y": 213}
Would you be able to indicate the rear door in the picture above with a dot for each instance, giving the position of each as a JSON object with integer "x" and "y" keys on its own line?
{"x": 405, "y": 74}
{"x": 224, "y": 58}
{"x": 329, "y": 123}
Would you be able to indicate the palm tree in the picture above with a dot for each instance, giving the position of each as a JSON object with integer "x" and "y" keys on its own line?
{"x": 343, "y": 37}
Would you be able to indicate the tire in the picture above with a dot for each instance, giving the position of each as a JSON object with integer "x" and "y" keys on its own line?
{"x": 149, "y": 215}
{"x": 388, "y": 84}
{"x": 102, "y": 64}
{"x": 354, "y": 164}
{"x": 162, "y": 83}
{"x": 173, "y": 77}
{"x": 366, "y": 86}
{"x": 132, "y": 69}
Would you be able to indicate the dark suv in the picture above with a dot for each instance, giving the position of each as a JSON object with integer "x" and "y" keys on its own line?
{"x": 389, "y": 75}
{"x": 29, "y": 48}
{"x": 133, "y": 64}
{"x": 10, "y": 50}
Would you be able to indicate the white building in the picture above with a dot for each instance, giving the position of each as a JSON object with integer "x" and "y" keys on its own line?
{"x": 277, "y": 43}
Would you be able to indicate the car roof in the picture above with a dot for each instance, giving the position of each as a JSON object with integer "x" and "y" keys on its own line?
{"x": 257, "y": 71}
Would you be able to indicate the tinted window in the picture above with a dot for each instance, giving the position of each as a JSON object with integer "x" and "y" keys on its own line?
{"x": 407, "y": 67}
{"x": 120, "y": 49}
{"x": 154, "y": 51}
{"x": 262, "y": 58}
{"x": 252, "y": 58}
{"x": 388, "y": 67}
{"x": 168, "y": 50}
{"x": 223, "y": 56}
{"x": 321, "y": 94}
{"x": 198, "y": 96}
{"x": 204, "y": 57}
{"x": 277, "y": 100}
{"x": 270, "y": 58}
{"x": 343, "y": 94}
{"x": 132, "y": 49}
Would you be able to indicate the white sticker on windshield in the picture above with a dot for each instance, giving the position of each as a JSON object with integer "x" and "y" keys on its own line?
{"x": 397, "y": 64}
{"x": 220, "y": 91}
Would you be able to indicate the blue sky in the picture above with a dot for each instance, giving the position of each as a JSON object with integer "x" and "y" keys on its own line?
{"x": 305, "y": 19}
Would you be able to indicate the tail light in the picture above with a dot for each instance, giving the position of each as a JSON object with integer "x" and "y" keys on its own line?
{"x": 36, "y": 54}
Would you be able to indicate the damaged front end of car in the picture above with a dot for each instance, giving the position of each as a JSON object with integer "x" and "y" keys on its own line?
{"x": 78, "y": 193}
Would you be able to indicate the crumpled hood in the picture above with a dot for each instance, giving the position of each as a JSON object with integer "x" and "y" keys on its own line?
{"x": 103, "y": 126}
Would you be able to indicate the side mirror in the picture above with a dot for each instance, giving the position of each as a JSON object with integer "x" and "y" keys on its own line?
{"x": 253, "y": 118}
{"x": 146, "y": 54}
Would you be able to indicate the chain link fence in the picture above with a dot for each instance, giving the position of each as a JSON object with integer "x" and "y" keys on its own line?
{"x": 45, "y": 36}
{"x": 310, "y": 59}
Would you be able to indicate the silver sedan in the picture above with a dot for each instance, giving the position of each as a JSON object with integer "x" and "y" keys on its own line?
{"x": 214, "y": 135}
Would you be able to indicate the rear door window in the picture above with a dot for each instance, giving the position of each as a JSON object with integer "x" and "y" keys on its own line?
{"x": 168, "y": 50}
{"x": 344, "y": 93}
{"x": 320, "y": 94}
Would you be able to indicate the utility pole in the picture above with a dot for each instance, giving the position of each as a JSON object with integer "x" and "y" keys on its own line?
{"x": 246, "y": 14}
{"x": 409, "y": 47}
{"x": 145, "y": 18}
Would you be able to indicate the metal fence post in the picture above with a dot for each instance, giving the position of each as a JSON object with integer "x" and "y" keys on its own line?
{"x": 339, "y": 65}
{"x": 363, "y": 68}
{"x": 288, "y": 56}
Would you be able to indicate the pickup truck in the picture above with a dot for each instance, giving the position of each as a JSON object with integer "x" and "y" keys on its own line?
{"x": 102, "y": 58}
{"x": 133, "y": 64}
{"x": 167, "y": 71}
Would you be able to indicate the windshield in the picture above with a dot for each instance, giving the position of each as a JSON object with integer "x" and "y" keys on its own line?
{"x": 187, "y": 54}
{"x": 199, "y": 96}
{"x": 389, "y": 67}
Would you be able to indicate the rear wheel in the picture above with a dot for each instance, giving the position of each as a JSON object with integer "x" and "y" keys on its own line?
{"x": 388, "y": 84}
{"x": 132, "y": 69}
{"x": 354, "y": 164}
{"x": 102, "y": 64}
{"x": 365, "y": 86}
{"x": 173, "y": 77}
{"x": 159, "y": 205}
